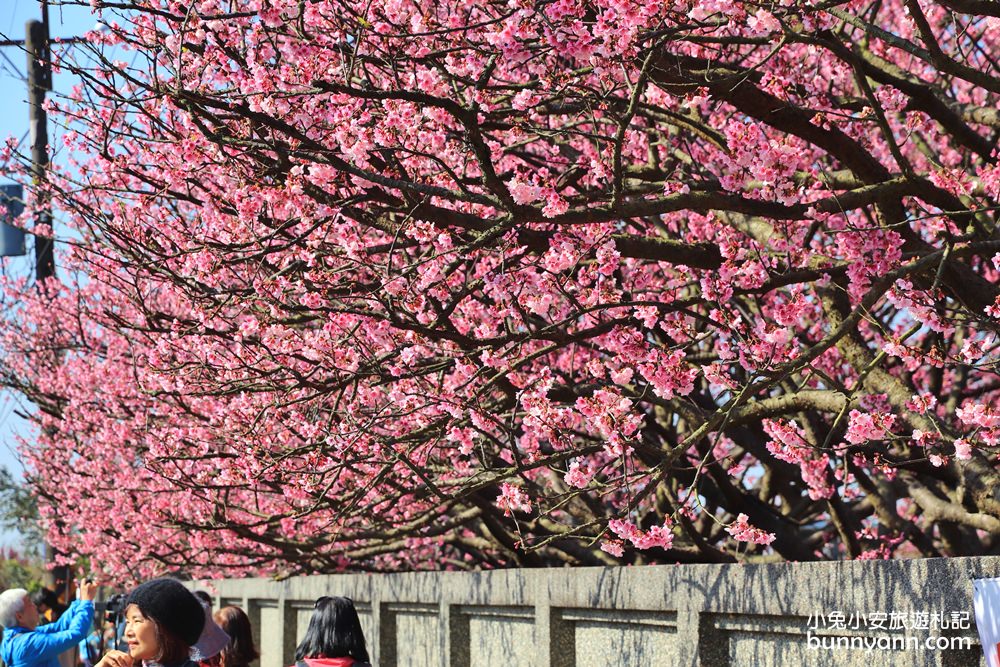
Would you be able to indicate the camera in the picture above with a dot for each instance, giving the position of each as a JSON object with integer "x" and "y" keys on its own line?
{"x": 114, "y": 607}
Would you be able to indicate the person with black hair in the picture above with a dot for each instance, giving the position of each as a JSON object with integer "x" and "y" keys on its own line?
{"x": 49, "y": 606}
{"x": 163, "y": 621}
{"x": 334, "y": 637}
{"x": 204, "y": 598}
{"x": 241, "y": 650}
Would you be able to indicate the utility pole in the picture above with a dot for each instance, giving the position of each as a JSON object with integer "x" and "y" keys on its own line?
{"x": 39, "y": 83}
{"x": 36, "y": 44}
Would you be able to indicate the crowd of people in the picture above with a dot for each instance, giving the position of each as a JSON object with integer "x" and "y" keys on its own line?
{"x": 161, "y": 623}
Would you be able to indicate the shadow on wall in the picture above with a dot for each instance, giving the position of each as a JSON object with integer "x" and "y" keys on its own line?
{"x": 864, "y": 613}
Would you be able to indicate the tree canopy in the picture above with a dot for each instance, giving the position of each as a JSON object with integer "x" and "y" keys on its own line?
{"x": 459, "y": 284}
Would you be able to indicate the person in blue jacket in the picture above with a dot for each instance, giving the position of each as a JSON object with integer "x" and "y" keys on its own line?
{"x": 27, "y": 644}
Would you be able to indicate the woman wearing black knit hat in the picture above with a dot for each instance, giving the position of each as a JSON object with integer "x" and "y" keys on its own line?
{"x": 163, "y": 620}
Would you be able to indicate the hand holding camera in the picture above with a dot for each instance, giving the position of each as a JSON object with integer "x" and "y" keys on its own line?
{"x": 86, "y": 589}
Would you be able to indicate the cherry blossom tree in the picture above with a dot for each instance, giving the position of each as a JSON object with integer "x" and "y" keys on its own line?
{"x": 394, "y": 285}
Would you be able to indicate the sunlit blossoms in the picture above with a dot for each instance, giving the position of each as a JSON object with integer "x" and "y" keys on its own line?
{"x": 476, "y": 284}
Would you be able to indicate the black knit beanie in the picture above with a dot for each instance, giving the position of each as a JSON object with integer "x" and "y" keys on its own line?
{"x": 172, "y": 606}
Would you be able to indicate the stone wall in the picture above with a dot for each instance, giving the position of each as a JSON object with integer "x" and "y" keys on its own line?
{"x": 711, "y": 615}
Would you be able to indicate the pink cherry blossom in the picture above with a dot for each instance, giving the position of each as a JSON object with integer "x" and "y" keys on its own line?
{"x": 402, "y": 285}
{"x": 865, "y": 426}
{"x": 742, "y": 531}
{"x": 513, "y": 498}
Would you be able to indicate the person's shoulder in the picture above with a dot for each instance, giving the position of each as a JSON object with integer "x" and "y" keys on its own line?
{"x": 9, "y": 634}
{"x": 330, "y": 662}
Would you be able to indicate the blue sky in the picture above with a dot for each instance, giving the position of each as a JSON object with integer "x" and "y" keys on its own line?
{"x": 64, "y": 22}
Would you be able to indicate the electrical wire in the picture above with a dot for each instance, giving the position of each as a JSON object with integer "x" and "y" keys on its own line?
{"x": 13, "y": 16}
{"x": 14, "y": 71}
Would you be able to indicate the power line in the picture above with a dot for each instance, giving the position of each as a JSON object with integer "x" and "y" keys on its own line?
{"x": 13, "y": 16}
{"x": 14, "y": 71}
